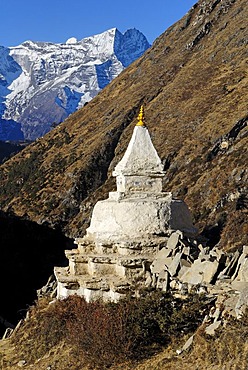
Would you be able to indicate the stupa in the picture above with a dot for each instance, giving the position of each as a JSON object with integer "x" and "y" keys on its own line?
{"x": 127, "y": 230}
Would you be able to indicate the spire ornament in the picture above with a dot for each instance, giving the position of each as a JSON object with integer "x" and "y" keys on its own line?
{"x": 141, "y": 117}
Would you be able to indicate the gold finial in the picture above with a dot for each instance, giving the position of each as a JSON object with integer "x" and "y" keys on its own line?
{"x": 140, "y": 117}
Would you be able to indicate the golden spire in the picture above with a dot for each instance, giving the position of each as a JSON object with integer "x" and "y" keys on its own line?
{"x": 140, "y": 117}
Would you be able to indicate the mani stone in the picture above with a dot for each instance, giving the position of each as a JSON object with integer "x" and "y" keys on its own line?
{"x": 128, "y": 229}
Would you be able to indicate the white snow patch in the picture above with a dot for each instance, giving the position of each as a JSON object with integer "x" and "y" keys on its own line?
{"x": 71, "y": 40}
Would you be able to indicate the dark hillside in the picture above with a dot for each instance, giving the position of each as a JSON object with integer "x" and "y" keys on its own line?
{"x": 193, "y": 84}
{"x": 28, "y": 255}
{"x": 8, "y": 149}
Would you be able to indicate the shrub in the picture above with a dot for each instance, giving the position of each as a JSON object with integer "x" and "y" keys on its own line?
{"x": 104, "y": 334}
{"x": 45, "y": 328}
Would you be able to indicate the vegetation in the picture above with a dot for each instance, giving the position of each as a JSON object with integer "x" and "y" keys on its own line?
{"x": 135, "y": 333}
{"x": 107, "y": 334}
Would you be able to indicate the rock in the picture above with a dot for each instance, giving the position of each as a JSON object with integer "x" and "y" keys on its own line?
{"x": 186, "y": 346}
{"x": 215, "y": 314}
{"x": 216, "y": 253}
{"x": 148, "y": 281}
{"x": 184, "y": 266}
{"x": 200, "y": 272}
{"x": 173, "y": 267}
{"x": 210, "y": 329}
{"x": 227, "y": 302}
{"x": 242, "y": 303}
{"x": 173, "y": 239}
{"x": 163, "y": 281}
{"x": 186, "y": 251}
{"x": 159, "y": 262}
{"x": 21, "y": 363}
{"x": 49, "y": 289}
{"x": 228, "y": 270}
{"x": 7, "y": 333}
{"x": 241, "y": 272}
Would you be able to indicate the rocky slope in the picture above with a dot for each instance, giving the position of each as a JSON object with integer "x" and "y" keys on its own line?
{"x": 193, "y": 85}
{"x": 41, "y": 83}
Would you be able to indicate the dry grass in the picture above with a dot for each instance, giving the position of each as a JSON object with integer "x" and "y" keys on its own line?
{"x": 227, "y": 350}
{"x": 100, "y": 335}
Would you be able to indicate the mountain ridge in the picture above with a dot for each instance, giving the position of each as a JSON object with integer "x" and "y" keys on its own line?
{"x": 42, "y": 82}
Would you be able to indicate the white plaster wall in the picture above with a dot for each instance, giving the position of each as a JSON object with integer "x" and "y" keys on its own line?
{"x": 88, "y": 294}
{"x": 138, "y": 218}
{"x": 140, "y": 157}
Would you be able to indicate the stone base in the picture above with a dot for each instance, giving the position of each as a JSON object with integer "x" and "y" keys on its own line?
{"x": 107, "y": 288}
{"x": 107, "y": 271}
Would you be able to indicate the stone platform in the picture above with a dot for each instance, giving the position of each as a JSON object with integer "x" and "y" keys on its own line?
{"x": 107, "y": 270}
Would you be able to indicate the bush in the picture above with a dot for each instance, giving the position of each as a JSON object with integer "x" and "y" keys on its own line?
{"x": 104, "y": 334}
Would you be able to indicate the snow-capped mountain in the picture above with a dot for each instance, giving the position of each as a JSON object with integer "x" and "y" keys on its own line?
{"x": 41, "y": 83}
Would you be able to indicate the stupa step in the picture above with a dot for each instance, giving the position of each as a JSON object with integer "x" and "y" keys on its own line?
{"x": 123, "y": 247}
{"x": 111, "y": 264}
{"x": 63, "y": 275}
{"x": 108, "y": 287}
{"x": 110, "y": 258}
{"x": 104, "y": 283}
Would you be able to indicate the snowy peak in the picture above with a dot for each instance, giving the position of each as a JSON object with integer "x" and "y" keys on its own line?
{"x": 129, "y": 45}
{"x": 41, "y": 83}
{"x": 71, "y": 40}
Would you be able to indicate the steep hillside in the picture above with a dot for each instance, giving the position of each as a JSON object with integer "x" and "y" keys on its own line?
{"x": 193, "y": 85}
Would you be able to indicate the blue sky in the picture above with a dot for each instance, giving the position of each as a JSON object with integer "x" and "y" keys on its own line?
{"x": 58, "y": 20}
